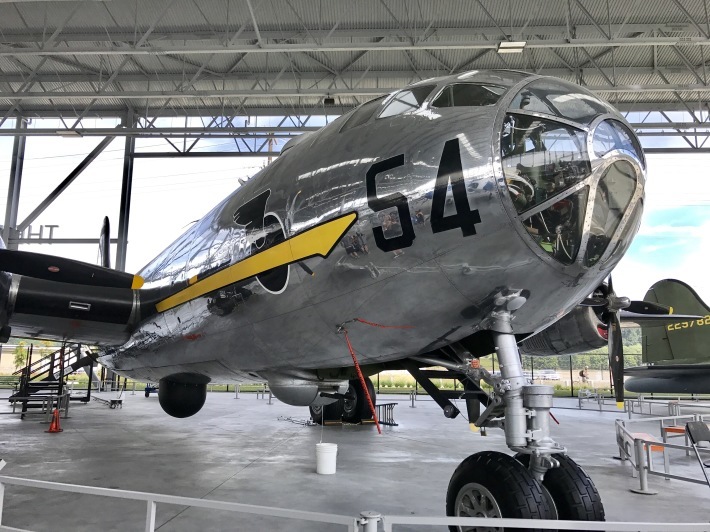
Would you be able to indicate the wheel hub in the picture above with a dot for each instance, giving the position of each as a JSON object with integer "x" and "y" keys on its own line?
{"x": 475, "y": 500}
{"x": 350, "y": 401}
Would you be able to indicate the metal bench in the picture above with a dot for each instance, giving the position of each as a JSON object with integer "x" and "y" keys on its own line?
{"x": 9, "y": 381}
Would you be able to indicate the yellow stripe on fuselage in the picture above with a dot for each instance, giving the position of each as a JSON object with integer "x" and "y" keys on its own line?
{"x": 318, "y": 240}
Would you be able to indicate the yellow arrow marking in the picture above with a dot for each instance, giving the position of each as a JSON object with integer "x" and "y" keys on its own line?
{"x": 319, "y": 240}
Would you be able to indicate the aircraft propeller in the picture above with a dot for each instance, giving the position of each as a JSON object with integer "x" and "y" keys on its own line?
{"x": 614, "y": 310}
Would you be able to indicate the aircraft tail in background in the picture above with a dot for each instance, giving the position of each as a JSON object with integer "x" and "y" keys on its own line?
{"x": 677, "y": 343}
{"x": 676, "y": 356}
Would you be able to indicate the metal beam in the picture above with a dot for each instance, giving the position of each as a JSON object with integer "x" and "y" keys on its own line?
{"x": 281, "y": 47}
{"x": 126, "y": 189}
{"x": 258, "y": 133}
{"x": 18, "y": 241}
{"x": 114, "y": 110}
{"x": 13, "y": 189}
{"x": 188, "y": 154}
{"x": 214, "y": 93}
{"x": 128, "y": 35}
{"x": 212, "y": 131}
{"x": 307, "y": 93}
{"x": 65, "y": 183}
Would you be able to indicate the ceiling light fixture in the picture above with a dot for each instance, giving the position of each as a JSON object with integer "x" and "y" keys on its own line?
{"x": 511, "y": 47}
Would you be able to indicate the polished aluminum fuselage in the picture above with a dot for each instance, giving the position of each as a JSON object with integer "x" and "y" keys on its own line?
{"x": 441, "y": 287}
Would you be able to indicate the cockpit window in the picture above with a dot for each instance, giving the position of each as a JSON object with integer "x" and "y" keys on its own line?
{"x": 541, "y": 158}
{"x": 559, "y": 228}
{"x": 406, "y": 101}
{"x": 613, "y": 135}
{"x": 558, "y": 98}
{"x": 613, "y": 195}
{"x": 468, "y": 95}
{"x": 362, "y": 114}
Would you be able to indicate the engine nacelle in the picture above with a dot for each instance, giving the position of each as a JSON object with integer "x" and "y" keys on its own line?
{"x": 303, "y": 391}
{"x": 578, "y": 332}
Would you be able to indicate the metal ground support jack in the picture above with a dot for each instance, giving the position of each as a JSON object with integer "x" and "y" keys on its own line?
{"x": 698, "y": 432}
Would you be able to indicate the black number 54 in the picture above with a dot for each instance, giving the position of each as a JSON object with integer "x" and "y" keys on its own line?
{"x": 450, "y": 171}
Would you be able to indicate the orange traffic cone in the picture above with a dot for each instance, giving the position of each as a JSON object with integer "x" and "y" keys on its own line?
{"x": 54, "y": 425}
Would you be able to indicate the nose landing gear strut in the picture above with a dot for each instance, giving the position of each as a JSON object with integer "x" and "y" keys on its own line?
{"x": 541, "y": 481}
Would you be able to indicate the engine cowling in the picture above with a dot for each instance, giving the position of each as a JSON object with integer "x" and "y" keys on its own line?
{"x": 300, "y": 388}
{"x": 578, "y": 332}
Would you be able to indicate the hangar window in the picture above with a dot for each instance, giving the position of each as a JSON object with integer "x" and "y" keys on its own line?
{"x": 406, "y": 101}
{"x": 541, "y": 158}
{"x": 613, "y": 135}
{"x": 556, "y": 97}
{"x": 468, "y": 95}
{"x": 362, "y": 114}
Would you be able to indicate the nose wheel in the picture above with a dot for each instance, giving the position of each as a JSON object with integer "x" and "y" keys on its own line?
{"x": 573, "y": 493}
{"x": 493, "y": 484}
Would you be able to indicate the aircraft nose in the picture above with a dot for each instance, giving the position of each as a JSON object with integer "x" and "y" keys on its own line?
{"x": 576, "y": 185}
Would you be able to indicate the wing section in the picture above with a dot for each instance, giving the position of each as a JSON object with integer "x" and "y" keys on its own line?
{"x": 58, "y": 269}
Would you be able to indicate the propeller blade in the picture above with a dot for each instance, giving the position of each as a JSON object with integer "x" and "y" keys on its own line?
{"x": 610, "y": 287}
{"x": 616, "y": 358}
{"x": 63, "y": 270}
{"x": 647, "y": 307}
{"x": 594, "y": 302}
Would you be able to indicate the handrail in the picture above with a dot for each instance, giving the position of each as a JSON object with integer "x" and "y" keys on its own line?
{"x": 153, "y": 498}
{"x": 640, "y": 455}
{"x": 544, "y": 524}
{"x": 366, "y": 522}
{"x": 41, "y": 362}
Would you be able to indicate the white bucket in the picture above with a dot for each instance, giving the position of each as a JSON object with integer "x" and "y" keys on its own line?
{"x": 326, "y": 454}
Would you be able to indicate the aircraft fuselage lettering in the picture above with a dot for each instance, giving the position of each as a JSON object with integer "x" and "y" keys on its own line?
{"x": 688, "y": 324}
{"x": 387, "y": 202}
{"x": 450, "y": 171}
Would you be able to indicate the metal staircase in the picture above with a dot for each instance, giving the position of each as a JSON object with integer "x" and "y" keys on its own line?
{"x": 44, "y": 377}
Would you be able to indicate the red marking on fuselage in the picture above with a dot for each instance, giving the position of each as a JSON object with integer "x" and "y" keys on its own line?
{"x": 192, "y": 336}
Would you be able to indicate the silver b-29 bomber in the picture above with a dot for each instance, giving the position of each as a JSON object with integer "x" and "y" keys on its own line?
{"x": 465, "y": 214}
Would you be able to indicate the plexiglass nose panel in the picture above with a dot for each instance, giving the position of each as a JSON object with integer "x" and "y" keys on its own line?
{"x": 613, "y": 195}
{"x": 571, "y": 202}
{"x": 541, "y": 158}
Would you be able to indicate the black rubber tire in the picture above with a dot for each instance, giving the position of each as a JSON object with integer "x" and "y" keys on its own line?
{"x": 365, "y": 412}
{"x": 356, "y": 408}
{"x": 573, "y": 492}
{"x": 516, "y": 492}
{"x": 147, "y": 393}
{"x": 351, "y": 403}
{"x": 331, "y": 412}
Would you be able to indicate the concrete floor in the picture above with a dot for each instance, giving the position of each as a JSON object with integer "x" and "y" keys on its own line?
{"x": 242, "y": 450}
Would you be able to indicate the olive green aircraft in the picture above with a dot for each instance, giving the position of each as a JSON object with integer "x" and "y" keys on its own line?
{"x": 443, "y": 222}
{"x": 676, "y": 357}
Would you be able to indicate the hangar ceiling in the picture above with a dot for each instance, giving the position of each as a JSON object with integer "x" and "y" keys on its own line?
{"x": 251, "y": 57}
